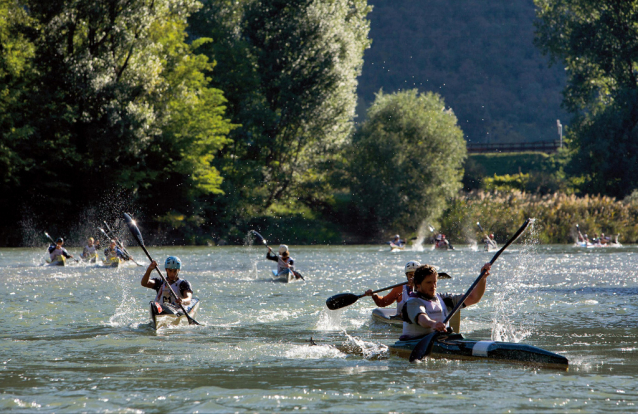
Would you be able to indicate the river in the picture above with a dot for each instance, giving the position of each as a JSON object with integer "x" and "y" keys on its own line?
{"x": 78, "y": 338}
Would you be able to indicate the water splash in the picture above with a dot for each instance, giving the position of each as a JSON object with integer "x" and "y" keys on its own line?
{"x": 126, "y": 307}
{"x": 330, "y": 320}
{"x": 511, "y": 321}
{"x": 369, "y": 350}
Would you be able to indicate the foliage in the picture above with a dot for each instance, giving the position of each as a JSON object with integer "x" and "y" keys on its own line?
{"x": 477, "y": 54}
{"x": 597, "y": 42}
{"x": 289, "y": 71}
{"x": 556, "y": 216}
{"x": 405, "y": 161}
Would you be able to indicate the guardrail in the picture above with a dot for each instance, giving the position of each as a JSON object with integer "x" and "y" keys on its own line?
{"x": 540, "y": 146}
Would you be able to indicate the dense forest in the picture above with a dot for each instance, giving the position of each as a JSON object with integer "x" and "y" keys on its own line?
{"x": 311, "y": 121}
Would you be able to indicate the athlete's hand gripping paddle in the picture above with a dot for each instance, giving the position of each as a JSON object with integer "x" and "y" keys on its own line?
{"x": 138, "y": 236}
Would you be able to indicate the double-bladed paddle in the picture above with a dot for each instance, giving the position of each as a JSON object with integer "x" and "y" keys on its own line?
{"x": 485, "y": 233}
{"x": 263, "y": 241}
{"x": 342, "y": 300}
{"x": 138, "y": 236}
{"x": 111, "y": 235}
{"x": 424, "y": 347}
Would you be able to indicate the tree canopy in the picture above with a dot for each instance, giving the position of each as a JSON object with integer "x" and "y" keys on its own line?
{"x": 405, "y": 160}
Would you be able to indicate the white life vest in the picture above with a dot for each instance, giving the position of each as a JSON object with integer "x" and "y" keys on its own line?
{"x": 281, "y": 264}
{"x": 436, "y": 311}
{"x": 89, "y": 251}
{"x": 55, "y": 253}
{"x": 164, "y": 293}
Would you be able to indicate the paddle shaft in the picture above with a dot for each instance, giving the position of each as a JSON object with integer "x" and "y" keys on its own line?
{"x": 297, "y": 274}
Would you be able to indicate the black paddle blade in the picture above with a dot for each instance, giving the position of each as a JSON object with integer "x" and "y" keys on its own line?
{"x": 341, "y": 300}
{"x": 424, "y": 347}
{"x": 132, "y": 226}
{"x": 443, "y": 275}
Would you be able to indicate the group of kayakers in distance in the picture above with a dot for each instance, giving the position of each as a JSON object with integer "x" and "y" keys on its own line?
{"x": 113, "y": 254}
{"x": 596, "y": 241}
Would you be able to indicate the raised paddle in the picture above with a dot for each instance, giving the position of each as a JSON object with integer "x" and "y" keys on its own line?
{"x": 263, "y": 241}
{"x": 118, "y": 243}
{"x": 424, "y": 347}
{"x": 342, "y": 300}
{"x": 138, "y": 236}
{"x": 485, "y": 233}
{"x": 447, "y": 241}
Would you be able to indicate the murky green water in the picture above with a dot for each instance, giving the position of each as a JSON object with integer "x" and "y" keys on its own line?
{"x": 78, "y": 338}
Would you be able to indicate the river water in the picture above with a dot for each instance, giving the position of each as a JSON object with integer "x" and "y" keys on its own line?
{"x": 78, "y": 338}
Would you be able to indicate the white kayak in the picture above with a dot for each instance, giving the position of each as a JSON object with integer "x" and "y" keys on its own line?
{"x": 164, "y": 314}
{"x": 285, "y": 276}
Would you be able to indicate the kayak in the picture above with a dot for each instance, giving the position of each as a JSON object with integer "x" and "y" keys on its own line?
{"x": 165, "y": 314}
{"x": 391, "y": 317}
{"x": 92, "y": 258}
{"x": 455, "y": 346}
{"x": 59, "y": 261}
{"x": 285, "y": 276}
{"x": 395, "y": 247}
{"x": 112, "y": 262}
{"x": 387, "y": 315}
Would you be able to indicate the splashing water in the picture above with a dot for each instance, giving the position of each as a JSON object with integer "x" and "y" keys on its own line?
{"x": 330, "y": 320}
{"x": 126, "y": 307}
{"x": 512, "y": 294}
{"x": 369, "y": 350}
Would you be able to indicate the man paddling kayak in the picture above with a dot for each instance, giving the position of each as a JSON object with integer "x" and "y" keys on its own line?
{"x": 284, "y": 261}
{"x": 426, "y": 311}
{"x": 181, "y": 287}
{"x": 56, "y": 250}
{"x": 112, "y": 253}
{"x": 400, "y": 294}
{"x": 90, "y": 250}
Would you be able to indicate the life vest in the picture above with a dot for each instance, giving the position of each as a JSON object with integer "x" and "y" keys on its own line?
{"x": 55, "y": 253}
{"x": 164, "y": 293}
{"x": 89, "y": 251}
{"x": 436, "y": 311}
{"x": 405, "y": 295}
{"x": 281, "y": 264}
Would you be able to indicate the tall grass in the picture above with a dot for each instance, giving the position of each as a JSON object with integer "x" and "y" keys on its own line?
{"x": 556, "y": 215}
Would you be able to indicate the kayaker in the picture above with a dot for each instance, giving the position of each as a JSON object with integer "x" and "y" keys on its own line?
{"x": 56, "y": 250}
{"x": 181, "y": 287}
{"x": 489, "y": 241}
{"x": 397, "y": 241}
{"x": 90, "y": 250}
{"x": 400, "y": 294}
{"x": 426, "y": 311}
{"x": 113, "y": 251}
{"x": 284, "y": 261}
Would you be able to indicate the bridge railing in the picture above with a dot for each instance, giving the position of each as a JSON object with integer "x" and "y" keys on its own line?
{"x": 541, "y": 146}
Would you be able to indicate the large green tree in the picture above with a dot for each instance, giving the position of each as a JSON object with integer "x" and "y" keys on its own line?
{"x": 289, "y": 70}
{"x": 597, "y": 41}
{"x": 405, "y": 161}
{"x": 119, "y": 100}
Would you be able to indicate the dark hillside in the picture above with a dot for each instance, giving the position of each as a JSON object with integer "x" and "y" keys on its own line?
{"x": 477, "y": 54}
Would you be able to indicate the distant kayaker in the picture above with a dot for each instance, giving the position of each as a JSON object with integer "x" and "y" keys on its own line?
{"x": 440, "y": 242}
{"x": 181, "y": 287}
{"x": 90, "y": 250}
{"x": 56, "y": 250}
{"x": 426, "y": 311}
{"x": 113, "y": 251}
{"x": 400, "y": 294}
{"x": 284, "y": 261}
{"x": 489, "y": 241}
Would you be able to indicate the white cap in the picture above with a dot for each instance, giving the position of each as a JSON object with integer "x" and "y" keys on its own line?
{"x": 283, "y": 249}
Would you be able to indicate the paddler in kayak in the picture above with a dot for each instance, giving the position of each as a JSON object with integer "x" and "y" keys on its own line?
{"x": 90, "y": 250}
{"x": 400, "y": 294}
{"x": 181, "y": 287}
{"x": 113, "y": 255}
{"x": 56, "y": 251}
{"x": 284, "y": 261}
{"x": 426, "y": 311}
{"x": 397, "y": 243}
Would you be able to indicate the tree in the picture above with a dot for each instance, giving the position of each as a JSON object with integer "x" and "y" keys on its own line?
{"x": 597, "y": 40}
{"x": 405, "y": 161}
{"x": 289, "y": 70}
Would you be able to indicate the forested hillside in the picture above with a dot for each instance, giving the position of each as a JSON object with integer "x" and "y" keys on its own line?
{"x": 477, "y": 54}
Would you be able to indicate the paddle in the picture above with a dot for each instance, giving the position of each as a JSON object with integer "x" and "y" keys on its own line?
{"x": 52, "y": 241}
{"x": 342, "y": 300}
{"x": 263, "y": 241}
{"x": 118, "y": 243}
{"x": 138, "y": 236}
{"x": 424, "y": 347}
